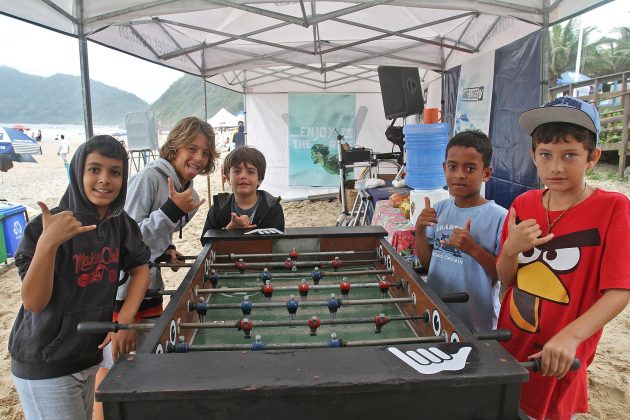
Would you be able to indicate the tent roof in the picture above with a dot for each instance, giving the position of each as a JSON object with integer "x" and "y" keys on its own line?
{"x": 223, "y": 118}
{"x": 257, "y": 45}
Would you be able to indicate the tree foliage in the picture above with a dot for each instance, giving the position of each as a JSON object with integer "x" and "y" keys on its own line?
{"x": 606, "y": 55}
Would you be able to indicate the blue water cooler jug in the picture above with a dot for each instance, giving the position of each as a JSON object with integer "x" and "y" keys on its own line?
{"x": 425, "y": 145}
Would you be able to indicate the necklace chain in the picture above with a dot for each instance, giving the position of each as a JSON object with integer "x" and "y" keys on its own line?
{"x": 551, "y": 224}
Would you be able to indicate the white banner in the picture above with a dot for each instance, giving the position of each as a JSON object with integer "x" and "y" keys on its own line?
{"x": 474, "y": 94}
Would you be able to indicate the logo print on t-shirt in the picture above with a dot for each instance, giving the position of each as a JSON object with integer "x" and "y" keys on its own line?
{"x": 539, "y": 276}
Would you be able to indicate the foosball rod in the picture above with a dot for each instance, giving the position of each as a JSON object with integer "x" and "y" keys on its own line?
{"x": 286, "y": 276}
{"x": 295, "y": 263}
{"x": 258, "y": 265}
{"x": 305, "y": 304}
{"x": 289, "y": 288}
{"x": 297, "y": 322}
{"x": 319, "y": 345}
{"x": 302, "y": 254}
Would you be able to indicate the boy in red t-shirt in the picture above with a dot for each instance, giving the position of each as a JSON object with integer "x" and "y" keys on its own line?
{"x": 563, "y": 257}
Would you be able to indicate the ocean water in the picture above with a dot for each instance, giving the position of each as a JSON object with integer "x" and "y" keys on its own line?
{"x": 71, "y": 132}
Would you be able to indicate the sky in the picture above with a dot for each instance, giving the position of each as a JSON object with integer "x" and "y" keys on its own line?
{"x": 37, "y": 51}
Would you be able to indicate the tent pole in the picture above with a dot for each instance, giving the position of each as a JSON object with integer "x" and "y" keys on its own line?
{"x": 245, "y": 104}
{"x": 85, "y": 74}
{"x": 544, "y": 47}
{"x": 205, "y": 114}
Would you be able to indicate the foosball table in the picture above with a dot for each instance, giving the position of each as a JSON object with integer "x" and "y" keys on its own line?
{"x": 309, "y": 324}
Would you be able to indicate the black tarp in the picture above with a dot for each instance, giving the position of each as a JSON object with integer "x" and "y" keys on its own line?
{"x": 516, "y": 88}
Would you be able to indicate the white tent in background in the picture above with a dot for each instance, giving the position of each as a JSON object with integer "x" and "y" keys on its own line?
{"x": 223, "y": 119}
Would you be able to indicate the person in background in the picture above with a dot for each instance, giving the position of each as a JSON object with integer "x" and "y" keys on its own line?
{"x": 246, "y": 207}
{"x": 69, "y": 260}
{"x": 162, "y": 200}
{"x": 563, "y": 260}
{"x": 458, "y": 239}
{"x": 64, "y": 151}
{"x": 239, "y": 137}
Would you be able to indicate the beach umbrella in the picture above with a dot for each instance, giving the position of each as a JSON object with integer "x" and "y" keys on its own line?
{"x": 15, "y": 146}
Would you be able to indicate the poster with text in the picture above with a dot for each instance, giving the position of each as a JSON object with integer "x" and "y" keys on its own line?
{"x": 314, "y": 121}
{"x": 474, "y": 94}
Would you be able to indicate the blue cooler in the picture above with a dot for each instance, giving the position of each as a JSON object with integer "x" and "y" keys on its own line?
{"x": 13, "y": 218}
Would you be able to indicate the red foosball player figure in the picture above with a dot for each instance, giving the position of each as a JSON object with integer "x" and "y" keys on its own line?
{"x": 266, "y": 275}
{"x": 303, "y": 289}
{"x": 267, "y": 290}
{"x": 379, "y": 321}
{"x": 344, "y": 286}
{"x": 240, "y": 265}
{"x": 314, "y": 324}
{"x": 288, "y": 264}
{"x": 292, "y": 307}
{"x": 293, "y": 254}
{"x": 246, "y": 326}
{"x": 384, "y": 285}
{"x": 336, "y": 263}
{"x": 316, "y": 275}
{"x": 333, "y": 305}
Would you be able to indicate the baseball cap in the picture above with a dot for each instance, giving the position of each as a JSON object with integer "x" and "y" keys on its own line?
{"x": 563, "y": 109}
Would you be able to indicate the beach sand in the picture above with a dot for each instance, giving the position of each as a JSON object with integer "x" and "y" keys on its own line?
{"x": 26, "y": 183}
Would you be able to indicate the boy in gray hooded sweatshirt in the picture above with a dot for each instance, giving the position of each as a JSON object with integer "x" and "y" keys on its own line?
{"x": 161, "y": 199}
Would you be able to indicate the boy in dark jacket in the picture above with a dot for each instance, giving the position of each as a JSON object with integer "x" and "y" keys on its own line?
{"x": 69, "y": 260}
{"x": 247, "y": 207}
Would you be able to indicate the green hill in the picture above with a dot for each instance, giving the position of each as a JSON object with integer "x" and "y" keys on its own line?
{"x": 57, "y": 100}
{"x": 185, "y": 98}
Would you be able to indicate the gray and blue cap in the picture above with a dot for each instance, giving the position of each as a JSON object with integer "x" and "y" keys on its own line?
{"x": 564, "y": 109}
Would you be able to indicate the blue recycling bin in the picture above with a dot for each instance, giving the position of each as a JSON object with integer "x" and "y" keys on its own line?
{"x": 13, "y": 218}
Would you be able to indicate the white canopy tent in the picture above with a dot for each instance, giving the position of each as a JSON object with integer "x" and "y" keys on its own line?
{"x": 223, "y": 119}
{"x": 266, "y": 49}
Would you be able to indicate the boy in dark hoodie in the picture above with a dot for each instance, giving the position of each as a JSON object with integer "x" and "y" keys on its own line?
{"x": 69, "y": 260}
{"x": 247, "y": 207}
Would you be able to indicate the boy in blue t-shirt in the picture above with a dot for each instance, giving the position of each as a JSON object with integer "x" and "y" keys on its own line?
{"x": 458, "y": 240}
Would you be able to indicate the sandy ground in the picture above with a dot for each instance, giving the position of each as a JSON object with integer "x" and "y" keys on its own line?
{"x": 609, "y": 375}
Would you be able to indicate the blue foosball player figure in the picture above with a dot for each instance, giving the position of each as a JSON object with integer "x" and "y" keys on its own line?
{"x": 334, "y": 342}
{"x": 316, "y": 275}
{"x": 258, "y": 344}
{"x": 303, "y": 289}
{"x": 214, "y": 278}
{"x": 266, "y": 275}
{"x": 333, "y": 305}
{"x": 292, "y": 307}
{"x": 246, "y": 306}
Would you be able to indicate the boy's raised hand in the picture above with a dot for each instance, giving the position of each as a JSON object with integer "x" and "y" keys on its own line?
{"x": 461, "y": 239}
{"x": 523, "y": 236}
{"x": 61, "y": 227}
{"x": 185, "y": 201}
{"x": 427, "y": 217}
{"x": 239, "y": 222}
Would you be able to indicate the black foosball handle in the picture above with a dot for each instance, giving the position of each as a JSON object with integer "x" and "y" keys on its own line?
{"x": 497, "y": 335}
{"x": 457, "y": 297}
{"x": 535, "y": 364}
{"x": 95, "y": 327}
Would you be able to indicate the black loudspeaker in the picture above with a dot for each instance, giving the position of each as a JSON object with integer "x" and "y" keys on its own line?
{"x": 401, "y": 91}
